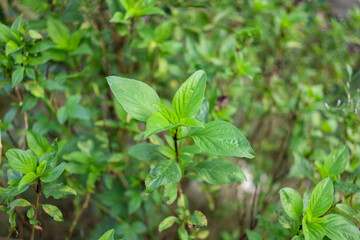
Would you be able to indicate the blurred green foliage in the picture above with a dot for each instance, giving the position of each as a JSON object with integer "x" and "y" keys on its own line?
{"x": 284, "y": 72}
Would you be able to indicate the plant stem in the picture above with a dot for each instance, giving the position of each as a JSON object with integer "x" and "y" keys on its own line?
{"x": 178, "y": 160}
{"x": 17, "y": 91}
{"x": 77, "y": 217}
{"x": 38, "y": 194}
{"x": 0, "y": 148}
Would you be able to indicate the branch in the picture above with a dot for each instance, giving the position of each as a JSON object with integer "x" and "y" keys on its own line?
{"x": 77, "y": 217}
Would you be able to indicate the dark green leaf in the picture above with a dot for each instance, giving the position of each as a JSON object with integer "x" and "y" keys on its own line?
{"x": 165, "y": 172}
{"x": 53, "y": 174}
{"x": 219, "y": 171}
{"x": 57, "y": 191}
{"x": 17, "y": 76}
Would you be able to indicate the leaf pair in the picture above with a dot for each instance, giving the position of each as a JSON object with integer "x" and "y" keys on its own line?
{"x": 141, "y": 101}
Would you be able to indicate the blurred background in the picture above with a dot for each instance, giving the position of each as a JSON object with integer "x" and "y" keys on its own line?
{"x": 284, "y": 72}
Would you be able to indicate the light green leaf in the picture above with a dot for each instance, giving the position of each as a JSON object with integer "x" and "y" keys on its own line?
{"x": 53, "y": 174}
{"x": 25, "y": 180}
{"x": 137, "y": 98}
{"x": 20, "y": 202}
{"x": 171, "y": 192}
{"x": 183, "y": 234}
{"x": 21, "y": 161}
{"x": 337, "y": 160}
{"x": 191, "y": 122}
{"x": 58, "y": 32}
{"x": 169, "y": 114}
{"x": 36, "y": 142}
{"x": 165, "y": 172}
{"x": 167, "y": 223}
{"x": 17, "y": 76}
{"x": 188, "y": 99}
{"x": 222, "y": 138}
{"x": 61, "y": 115}
{"x": 321, "y": 198}
{"x": 11, "y": 47}
{"x": 292, "y": 203}
{"x": 313, "y": 231}
{"x": 109, "y": 235}
{"x": 53, "y": 211}
{"x": 219, "y": 171}
{"x": 157, "y": 123}
{"x": 340, "y": 228}
{"x": 199, "y": 219}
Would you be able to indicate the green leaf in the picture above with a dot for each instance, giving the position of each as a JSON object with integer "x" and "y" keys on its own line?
{"x": 167, "y": 223}
{"x": 109, "y": 235}
{"x": 313, "y": 231}
{"x": 199, "y": 219}
{"x": 219, "y": 171}
{"x": 321, "y": 198}
{"x": 37, "y": 143}
{"x": 188, "y": 99}
{"x": 61, "y": 115}
{"x": 11, "y": 47}
{"x": 169, "y": 114}
{"x": 165, "y": 172}
{"x": 171, "y": 191}
{"x": 57, "y": 191}
{"x": 19, "y": 203}
{"x": 5, "y": 33}
{"x": 137, "y": 98}
{"x": 58, "y": 32}
{"x": 191, "y": 122}
{"x": 157, "y": 123}
{"x": 203, "y": 114}
{"x": 348, "y": 211}
{"x": 222, "y": 138}
{"x": 53, "y": 174}
{"x": 337, "y": 160}
{"x": 25, "y": 180}
{"x": 17, "y": 76}
{"x": 291, "y": 202}
{"x": 21, "y": 161}
{"x": 28, "y": 103}
{"x": 183, "y": 234}
{"x": 53, "y": 211}
{"x": 145, "y": 152}
{"x": 253, "y": 235}
{"x": 340, "y": 228}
